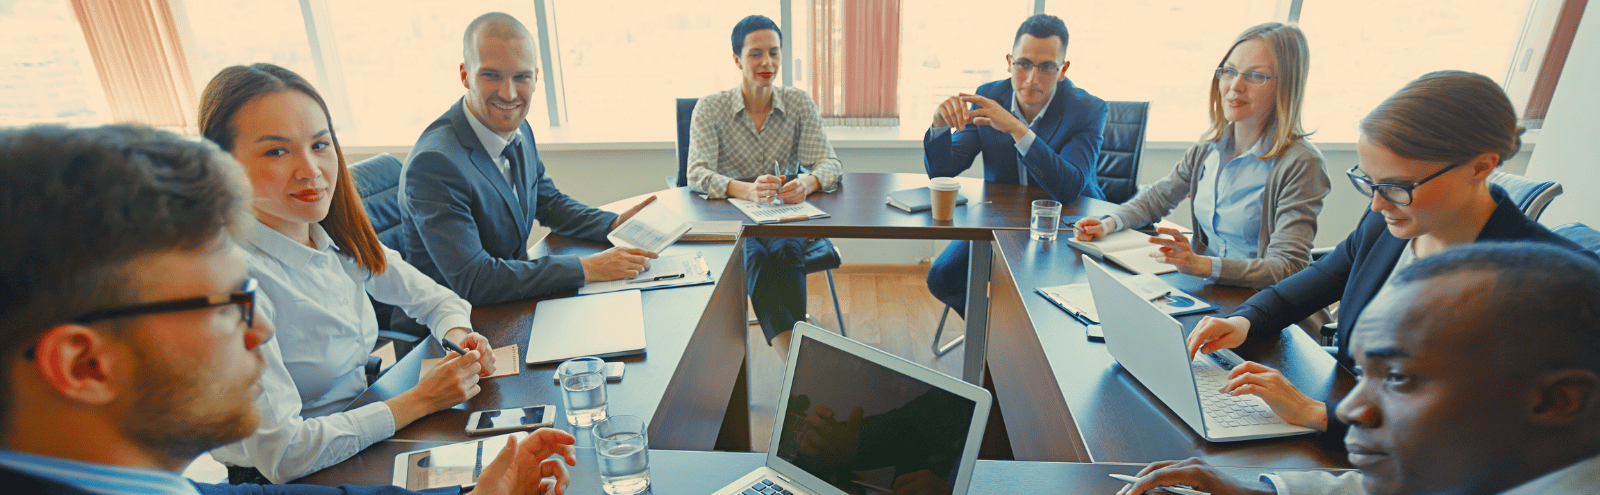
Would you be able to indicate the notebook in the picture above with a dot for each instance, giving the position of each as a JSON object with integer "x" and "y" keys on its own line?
{"x": 777, "y": 212}
{"x": 506, "y": 362}
{"x": 917, "y": 200}
{"x": 713, "y": 231}
{"x": 652, "y": 229}
{"x": 599, "y": 325}
{"x": 1129, "y": 249}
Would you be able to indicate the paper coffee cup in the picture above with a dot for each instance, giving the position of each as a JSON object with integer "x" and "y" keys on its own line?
{"x": 943, "y": 191}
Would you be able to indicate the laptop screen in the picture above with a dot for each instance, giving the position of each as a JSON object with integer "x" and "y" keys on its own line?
{"x": 866, "y": 429}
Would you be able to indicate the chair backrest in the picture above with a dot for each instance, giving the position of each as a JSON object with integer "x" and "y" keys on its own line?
{"x": 1118, "y": 170}
{"x": 1582, "y": 234}
{"x": 685, "y": 115}
{"x": 378, "y": 181}
{"x": 1531, "y": 195}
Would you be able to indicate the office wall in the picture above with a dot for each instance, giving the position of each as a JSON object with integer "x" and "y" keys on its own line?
{"x": 1566, "y": 144}
{"x": 599, "y": 177}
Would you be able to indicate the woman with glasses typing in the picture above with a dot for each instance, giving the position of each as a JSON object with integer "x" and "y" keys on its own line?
{"x": 1425, "y": 158}
{"x": 1257, "y": 184}
{"x": 318, "y": 259}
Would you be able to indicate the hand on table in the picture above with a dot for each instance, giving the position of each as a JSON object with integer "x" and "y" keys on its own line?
{"x": 525, "y": 468}
{"x": 1195, "y": 474}
{"x": 452, "y": 381}
{"x": 471, "y": 341}
{"x": 1215, "y": 334}
{"x": 616, "y": 264}
{"x": 1280, "y": 394}
{"x": 1089, "y": 229}
{"x": 1177, "y": 252}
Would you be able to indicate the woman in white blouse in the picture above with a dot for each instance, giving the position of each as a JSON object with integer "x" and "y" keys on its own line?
{"x": 318, "y": 259}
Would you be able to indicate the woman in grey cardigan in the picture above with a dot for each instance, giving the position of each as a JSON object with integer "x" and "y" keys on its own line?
{"x": 1257, "y": 183}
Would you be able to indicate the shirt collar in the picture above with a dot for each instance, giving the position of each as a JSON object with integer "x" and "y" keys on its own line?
{"x": 1577, "y": 478}
{"x": 280, "y": 247}
{"x": 493, "y": 144}
{"x": 1225, "y": 143}
{"x": 777, "y": 101}
{"x": 1017, "y": 110}
{"x": 98, "y": 478}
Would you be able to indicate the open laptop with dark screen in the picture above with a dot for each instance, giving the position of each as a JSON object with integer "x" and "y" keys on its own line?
{"x": 860, "y": 421}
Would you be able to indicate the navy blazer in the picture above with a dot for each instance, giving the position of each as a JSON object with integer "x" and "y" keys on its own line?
{"x": 466, "y": 229}
{"x": 20, "y": 482}
{"x": 1354, "y": 272}
{"x": 1061, "y": 160}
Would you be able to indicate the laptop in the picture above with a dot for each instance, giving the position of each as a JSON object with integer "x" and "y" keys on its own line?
{"x": 566, "y": 328}
{"x": 1151, "y": 345}
{"x": 858, "y": 421}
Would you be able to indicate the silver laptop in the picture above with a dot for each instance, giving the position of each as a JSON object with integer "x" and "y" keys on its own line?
{"x": 859, "y": 421}
{"x": 1151, "y": 345}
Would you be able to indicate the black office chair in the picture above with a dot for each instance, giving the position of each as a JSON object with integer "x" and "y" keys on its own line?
{"x": 1117, "y": 173}
{"x": 820, "y": 254}
{"x": 378, "y": 183}
{"x": 1120, "y": 151}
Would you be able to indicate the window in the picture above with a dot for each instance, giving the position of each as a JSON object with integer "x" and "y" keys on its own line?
{"x": 46, "y": 74}
{"x": 949, "y": 47}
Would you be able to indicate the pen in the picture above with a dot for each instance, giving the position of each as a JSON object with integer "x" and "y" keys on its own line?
{"x": 1162, "y": 296}
{"x": 794, "y": 218}
{"x": 1076, "y": 313}
{"x": 656, "y": 279}
{"x": 1178, "y": 489}
{"x": 452, "y": 346}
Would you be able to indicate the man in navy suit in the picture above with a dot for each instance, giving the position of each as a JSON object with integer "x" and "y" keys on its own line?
{"x": 133, "y": 342}
{"x": 473, "y": 185}
{"x": 1039, "y": 129}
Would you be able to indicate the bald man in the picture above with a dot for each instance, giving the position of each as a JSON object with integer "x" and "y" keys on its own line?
{"x": 1478, "y": 373}
{"x": 473, "y": 185}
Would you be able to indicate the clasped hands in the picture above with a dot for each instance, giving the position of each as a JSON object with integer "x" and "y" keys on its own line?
{"x": 767, "y": 187}
{"x": 955, "y": 113}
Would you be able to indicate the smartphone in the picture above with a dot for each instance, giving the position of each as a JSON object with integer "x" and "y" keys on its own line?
{"x": 613, "y": 373}
{"x": 504, "y": 420}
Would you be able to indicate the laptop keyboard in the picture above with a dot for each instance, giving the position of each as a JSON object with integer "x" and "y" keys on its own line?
{"x": 1223, "y": 410}
{"x": 766, "y": 487}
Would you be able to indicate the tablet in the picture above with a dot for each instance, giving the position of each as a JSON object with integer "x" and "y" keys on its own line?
{"x": 449, "y": 465}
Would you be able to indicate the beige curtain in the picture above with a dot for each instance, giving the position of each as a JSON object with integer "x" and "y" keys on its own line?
{"x": 855, "y": 60}
{"x": 140, "y": 60}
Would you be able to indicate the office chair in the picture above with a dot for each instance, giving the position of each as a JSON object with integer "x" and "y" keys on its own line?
{"x": 1582, "y": 234}
{"x": 820, "y": 254}
{"x": 1117, "y": 173}
{"x": 1531, "y": 195}
{"x": 378, "y": 183}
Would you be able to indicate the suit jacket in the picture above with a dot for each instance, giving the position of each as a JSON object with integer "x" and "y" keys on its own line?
{"x": 1062, "y": 159}
{"x": 466, "y": 228}
{"x": 1352, "y": 274}
{"x": 17, "y": 482}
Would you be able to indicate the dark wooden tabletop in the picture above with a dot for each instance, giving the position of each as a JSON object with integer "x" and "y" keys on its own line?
{"x": 1066, "y": 399}
{"x": 675, "y": 472}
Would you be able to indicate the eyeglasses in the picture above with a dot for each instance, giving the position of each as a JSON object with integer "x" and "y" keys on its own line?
{"x": 245, "y": 298}
{"x": 1025, "y": 66}
{"x": 1399, "y": 194}
{"x": 1226, "y": 74}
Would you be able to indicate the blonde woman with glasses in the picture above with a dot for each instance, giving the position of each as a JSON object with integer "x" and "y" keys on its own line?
{"x": 1257, "y": 183}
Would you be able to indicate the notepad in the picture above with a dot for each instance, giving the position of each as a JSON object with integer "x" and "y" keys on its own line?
{"x": 917, "y": 200}
{"x": 777, "y": 212}
{"x": 599, "y": 325}
{"x": 652, "y": 229}
{"x": 1129, "y": 249}
{"x": 507, "y": 362}
{"x": 1078, "y": 302}
{"x": 713, "y": 231}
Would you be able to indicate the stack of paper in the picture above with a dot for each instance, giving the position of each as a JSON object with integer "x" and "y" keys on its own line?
{"x": 712, "y": 231}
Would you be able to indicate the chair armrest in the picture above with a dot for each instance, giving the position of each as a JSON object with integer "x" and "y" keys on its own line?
{"x": 1318, "y": 253}
{"x": 398, "y": 337}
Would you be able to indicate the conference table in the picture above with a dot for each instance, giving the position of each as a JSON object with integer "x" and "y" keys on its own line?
{"x": 692, "y": 383}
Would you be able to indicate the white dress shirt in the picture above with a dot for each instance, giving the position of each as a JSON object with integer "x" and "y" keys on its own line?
{"x": 1579, "y": 478}
{"x": 326, "y": 328}
{"x": 494, "y": 145}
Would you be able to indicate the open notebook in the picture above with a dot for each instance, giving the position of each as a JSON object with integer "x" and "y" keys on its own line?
{"x": 1129, "y": 249}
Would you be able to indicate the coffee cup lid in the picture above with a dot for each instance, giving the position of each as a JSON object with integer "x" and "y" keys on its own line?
{"x": 944, "y": 184}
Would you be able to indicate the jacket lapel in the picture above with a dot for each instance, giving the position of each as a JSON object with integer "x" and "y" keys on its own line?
{"x": 1051, "y": 127}
{"x": 485, "y": 165}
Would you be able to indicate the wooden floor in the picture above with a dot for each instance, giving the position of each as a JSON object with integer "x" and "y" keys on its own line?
{"x": 885, "y": 306}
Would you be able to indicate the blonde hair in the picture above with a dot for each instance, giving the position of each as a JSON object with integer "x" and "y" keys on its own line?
{"x": 1289, "y": 50}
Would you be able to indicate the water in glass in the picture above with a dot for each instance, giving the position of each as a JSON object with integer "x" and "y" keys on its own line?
{"x": 624, "y": 464}
{"x": 1044, "y": 224}
{"x": 585, "y": 397}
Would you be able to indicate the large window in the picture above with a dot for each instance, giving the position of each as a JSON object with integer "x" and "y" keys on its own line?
{"x": 949, "y": 47}
{"x": 46, "y": 74}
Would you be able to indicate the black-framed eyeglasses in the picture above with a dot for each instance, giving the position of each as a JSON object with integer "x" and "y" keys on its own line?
{"x": 1226, "y": 74}
{"x": 1025, "y": 66}
{"x": 245, "y": 298}
{"x": 1399, "y": 194}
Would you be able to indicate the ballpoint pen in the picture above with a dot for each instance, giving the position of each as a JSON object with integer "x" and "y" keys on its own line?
{"x": 1163, "y": 295}
{"x": 656, "y": 279}
{"x": 1178, "y": 489}
{"x": 452, "y": 346}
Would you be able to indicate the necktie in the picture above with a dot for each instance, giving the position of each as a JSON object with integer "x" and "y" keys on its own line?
{"x": 518, "y": 179}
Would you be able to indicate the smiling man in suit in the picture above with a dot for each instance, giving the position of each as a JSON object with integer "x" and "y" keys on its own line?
{"x": 473, "y": 185}
{"x": 1035, "y": 128}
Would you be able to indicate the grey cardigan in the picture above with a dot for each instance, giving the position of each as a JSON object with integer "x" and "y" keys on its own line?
{"x": 1293, "y": 198}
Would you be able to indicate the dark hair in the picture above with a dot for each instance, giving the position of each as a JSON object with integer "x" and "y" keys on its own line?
{"x": 1549, "y": 294}
{"x": 496, "y": 25}
{"x": 1042, "y": 26}
{"x": 79, "y": 205}
{"x": 749, "y": 25}
{"x": 1446, "y": 116}
{"x": 235, "y": 86}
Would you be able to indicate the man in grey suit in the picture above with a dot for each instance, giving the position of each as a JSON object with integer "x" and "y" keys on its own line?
{"x": 474, "y": 184}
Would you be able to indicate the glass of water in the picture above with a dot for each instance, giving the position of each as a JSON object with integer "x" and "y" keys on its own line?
{"x": 1046, "y": 219}
{"x": 624, "y": 454}
{"x": 583, "y": 389}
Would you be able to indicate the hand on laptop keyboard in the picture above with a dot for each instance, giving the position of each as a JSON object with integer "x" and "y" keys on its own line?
{"x": 1271, "y": 386}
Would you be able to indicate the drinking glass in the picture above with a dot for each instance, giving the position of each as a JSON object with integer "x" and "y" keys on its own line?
{"x": 583, "y": 389}
{"x": 624, "y": 454}
{"x": 1045, "y": 220}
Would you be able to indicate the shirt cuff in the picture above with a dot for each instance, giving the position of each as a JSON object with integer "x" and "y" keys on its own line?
{"x": 937, "y": 132}
{"x": 374, "y": 421}
{"x": 1026, "y": 142}
{"x": 453, "y": 320}
{"x": 1278, "y": 485}
{"x": 1216, "y": 270}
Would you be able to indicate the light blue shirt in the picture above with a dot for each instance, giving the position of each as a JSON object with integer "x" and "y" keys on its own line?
{"x": 1022, "y": 144}
{"x": 1227, "y": 200}
{"x": 99, "y": 478}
